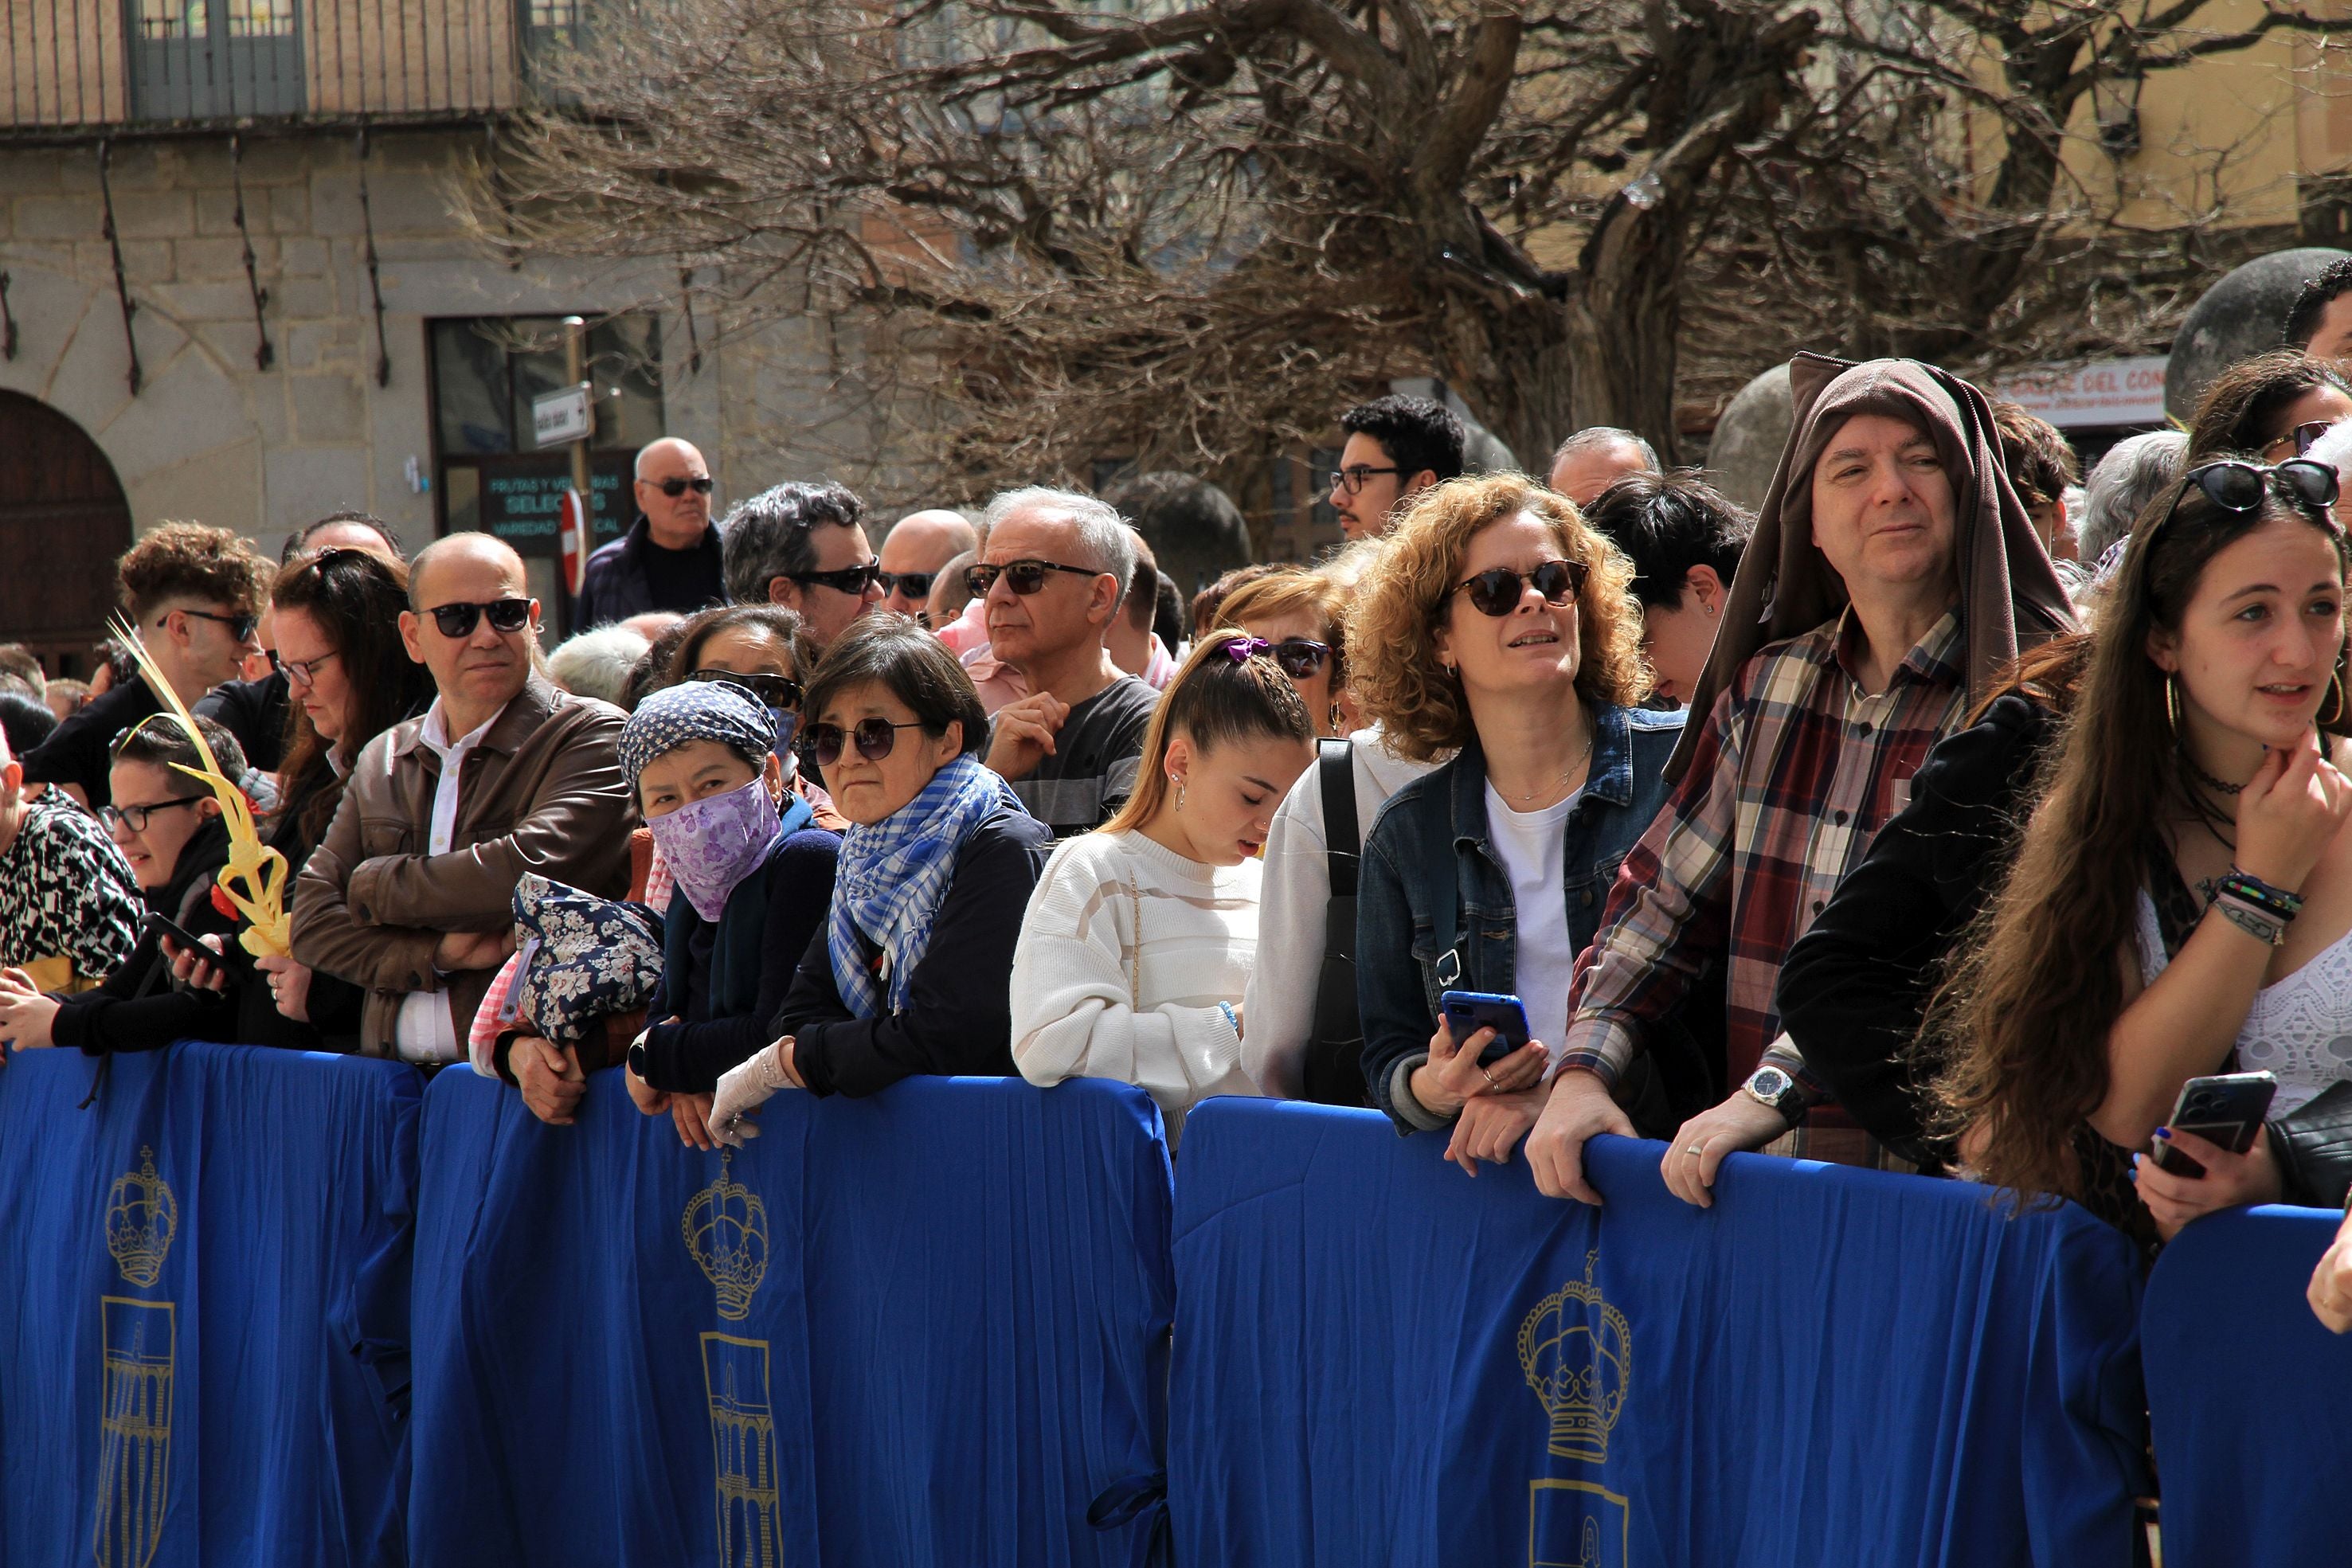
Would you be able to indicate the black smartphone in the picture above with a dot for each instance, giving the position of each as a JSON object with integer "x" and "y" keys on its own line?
{"x": 2226, "y": 1108}
{"x": 1468, "y": 1012}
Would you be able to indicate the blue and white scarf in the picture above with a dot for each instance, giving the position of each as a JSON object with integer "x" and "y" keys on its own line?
{"x": 892, "y": 875}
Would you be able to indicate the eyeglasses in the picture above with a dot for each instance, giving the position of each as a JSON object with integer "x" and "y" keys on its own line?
{"x": 457, "y": 620}
{"x": 853, "y": 580}
{"x": 913, "y": 584}
{"x": 304, "y": 672}
{"x": 1023, "y": 577}
{"x": 2238, "y": 486}
{"x": 240, "y": 627}
{"x": 675, "y": 485}
{"x": 1349, "y": 480}
{"x": 1497, "y": 592}
{"x": 774, "y": 691}
{"x": 136, "y": 818}
{"x": 1300, "y": 657}
{"x": 2305, "y": 435}
{"x": 875, "y": 739}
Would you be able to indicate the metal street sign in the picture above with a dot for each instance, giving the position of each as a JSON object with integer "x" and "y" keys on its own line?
{"x": 559, "y": 417}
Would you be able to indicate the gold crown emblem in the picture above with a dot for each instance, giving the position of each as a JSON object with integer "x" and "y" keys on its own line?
{"x": 726, "y": 1229}
{"x": 1577, "y": 1354}
{"x": 141, "y": 1217}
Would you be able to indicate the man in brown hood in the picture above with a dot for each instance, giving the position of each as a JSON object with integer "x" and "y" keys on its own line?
{"x": 1892, "y": 572}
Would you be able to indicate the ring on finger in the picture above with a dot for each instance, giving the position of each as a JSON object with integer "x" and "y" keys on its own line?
{"x": 1695, "y": 1150}
{"x": 1490, "y": 1080}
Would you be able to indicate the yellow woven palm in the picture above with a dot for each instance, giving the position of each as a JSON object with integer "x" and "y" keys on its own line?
{"x": 255, "y": 877}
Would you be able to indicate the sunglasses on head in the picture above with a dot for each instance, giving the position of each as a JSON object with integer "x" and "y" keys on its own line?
{"x": 240, "y": 627}
{"x": 774, "y": 691}
{"x": 677, "y": 486}
{"x": 2236, "y": 486}
{"x": 875, "y": 738}
{"x": 853, "y": 580}
{"x": 1497, "y": 591}
{"x": 1023, "y": 577}
{"x": 457, "y": 620}
{"x": 913, "y": 584}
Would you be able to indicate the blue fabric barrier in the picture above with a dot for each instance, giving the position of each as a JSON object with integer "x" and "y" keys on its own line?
{"x": 1377, "y": 1360}
{"x": 2250, "y": 1396}
{"x": 929, "y": 1327}
{"x": 204, "y": 1317}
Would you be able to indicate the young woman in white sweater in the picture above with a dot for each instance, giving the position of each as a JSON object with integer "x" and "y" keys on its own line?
{"x": 1138, "y": 941}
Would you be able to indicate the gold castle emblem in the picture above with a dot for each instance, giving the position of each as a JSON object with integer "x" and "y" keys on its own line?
{"x": 726, "y": 1229}
{"x": 141, "y": 1218}
{"x": 1577, "y": 1352}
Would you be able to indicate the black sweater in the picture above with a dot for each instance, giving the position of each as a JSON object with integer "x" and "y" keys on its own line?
{"x": 138, "y": 1008}
{"x": 1856, "y": 986}
{"x": 958, "y": 1016}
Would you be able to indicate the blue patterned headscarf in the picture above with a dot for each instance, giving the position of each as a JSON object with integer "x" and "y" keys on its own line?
{"x": 892, "y": 875}
{"x": 692, "y": 711}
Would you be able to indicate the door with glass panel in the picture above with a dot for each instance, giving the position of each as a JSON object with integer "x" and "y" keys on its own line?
{"x": 213, "y": 59}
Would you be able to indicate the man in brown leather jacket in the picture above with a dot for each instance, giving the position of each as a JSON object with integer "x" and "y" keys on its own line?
{"x": 411, "y": 893}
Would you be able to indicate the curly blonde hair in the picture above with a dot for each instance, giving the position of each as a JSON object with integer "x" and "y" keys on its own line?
{"x": 1408, "y": 594}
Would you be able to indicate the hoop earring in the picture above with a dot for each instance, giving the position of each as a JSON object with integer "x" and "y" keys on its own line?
{"x": 1334, "y": 718}
{"x": 2335, "y": 682}
{"x": 1179, "y": 790}
{"x": 2172, "y": 705}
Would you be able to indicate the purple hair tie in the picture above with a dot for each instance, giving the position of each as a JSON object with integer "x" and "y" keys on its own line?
{"x": 1240, "y": 649}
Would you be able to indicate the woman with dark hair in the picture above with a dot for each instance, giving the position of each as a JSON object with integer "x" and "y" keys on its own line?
{"x": 2152, "y": 928}
{"x": 2273, "y": 406}
{"x": 907, "y": 973}
{"x": 1136, "y": 952}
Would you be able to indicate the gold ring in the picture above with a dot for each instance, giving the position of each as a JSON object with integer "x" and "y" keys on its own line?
{"x": 1695, "y": 1150}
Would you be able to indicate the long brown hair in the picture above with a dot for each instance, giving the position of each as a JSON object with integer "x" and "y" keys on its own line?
{"x": 1214, "y": 698}
{"x": 2022, "y": 1022}
{"x": 356, "y": 597}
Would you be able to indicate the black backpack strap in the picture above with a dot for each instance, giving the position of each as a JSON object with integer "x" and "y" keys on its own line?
{"x": 1335, "y": 772}
{"x": 1333, "y": 1070}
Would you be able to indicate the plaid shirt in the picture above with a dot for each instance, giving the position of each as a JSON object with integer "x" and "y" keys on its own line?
{"x": 1796, "y": 771}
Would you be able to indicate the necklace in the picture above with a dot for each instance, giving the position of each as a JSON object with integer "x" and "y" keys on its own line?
{"x": 1564, "y": 777}
{"x": 2216, "y": 785}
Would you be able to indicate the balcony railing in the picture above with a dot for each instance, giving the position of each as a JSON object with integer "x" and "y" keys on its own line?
{"x": 85, "y": 66}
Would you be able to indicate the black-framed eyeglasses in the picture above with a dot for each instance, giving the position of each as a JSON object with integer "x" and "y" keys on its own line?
{"x": 1023, "y": 577}
{"x": 678, "y": 485}
{"x": 136, "y": 818}
{"x": 875, "y": 738}
{"x": 850, "y": 579}
{"x": 1347, "y": 481}
{"x": 1497, "y": 591}
{"x": 240, "y": 627}
{"x": 913, "y": 584}
{"x": 508, "y": 615}
{"x": 774, "y": 691}
{"x": 305, "y": 672}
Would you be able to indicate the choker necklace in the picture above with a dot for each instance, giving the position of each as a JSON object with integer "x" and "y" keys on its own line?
{"x": 1564, "y": 777}
{"x": 2218, "y": 786}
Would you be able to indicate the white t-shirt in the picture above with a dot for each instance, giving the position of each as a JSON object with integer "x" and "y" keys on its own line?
{"x": 1530, "y": 845}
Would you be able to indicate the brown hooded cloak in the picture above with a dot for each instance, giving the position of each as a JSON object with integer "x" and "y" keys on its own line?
{"x": 2011, "y": 597}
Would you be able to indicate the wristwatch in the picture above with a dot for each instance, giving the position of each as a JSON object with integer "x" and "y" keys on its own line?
{"x": 1773, "y": 1086}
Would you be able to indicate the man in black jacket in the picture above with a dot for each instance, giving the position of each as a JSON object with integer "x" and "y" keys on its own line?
{"x": 670, "y": 557}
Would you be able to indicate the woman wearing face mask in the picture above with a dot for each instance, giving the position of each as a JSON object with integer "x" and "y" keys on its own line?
{"x": 753, "y": 877}
{"x": 1137, "y": 949}
{"x": 170, "y": 828}
{"x": 907, "y": 973}
{"x": 2181, "y": 903}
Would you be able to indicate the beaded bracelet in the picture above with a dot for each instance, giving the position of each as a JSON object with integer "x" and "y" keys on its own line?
{"x": 2255, "y": 891}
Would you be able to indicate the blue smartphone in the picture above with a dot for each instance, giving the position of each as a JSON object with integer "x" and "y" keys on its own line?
{"x": 1468, "y": 1012}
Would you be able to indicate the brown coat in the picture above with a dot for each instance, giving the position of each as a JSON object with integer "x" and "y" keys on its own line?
{"x": 542, "y": 793}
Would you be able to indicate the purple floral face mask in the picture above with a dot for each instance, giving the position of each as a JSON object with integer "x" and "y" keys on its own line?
{"x": 711, "y": 845}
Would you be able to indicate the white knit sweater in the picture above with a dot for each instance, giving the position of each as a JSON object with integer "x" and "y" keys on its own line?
{"x": 1090, "y": 1002}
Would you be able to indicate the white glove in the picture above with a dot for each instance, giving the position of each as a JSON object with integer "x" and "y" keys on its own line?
{"x": 743, "y": 1089}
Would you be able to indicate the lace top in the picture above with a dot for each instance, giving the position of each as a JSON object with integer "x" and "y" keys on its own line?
{"x": 2299, "y": 1027}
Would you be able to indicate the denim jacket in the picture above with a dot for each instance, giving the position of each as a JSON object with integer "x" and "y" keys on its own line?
{"x": 1435, "y": 826}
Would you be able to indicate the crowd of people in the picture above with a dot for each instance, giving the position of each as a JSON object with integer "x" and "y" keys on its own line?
{"x": 1948, "y": 815}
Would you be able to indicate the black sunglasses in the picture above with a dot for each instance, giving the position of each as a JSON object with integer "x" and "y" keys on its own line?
{"x": 913, "y": 584}
{"x": 875, "y": 739}
{"x": 854, "y": 579}
{"x": 2239, "y": 486}
{"x": 774, "y": 691}
{"x": 1023, "y": 577}
{"x": 675, "y": 487}
{"x": 1496, "y": 592}
{"x": 457, "y": 620}
{"x": 1299, "y": 657}
{"x": 136, "y": 818}
{"x": 240, "y": 627}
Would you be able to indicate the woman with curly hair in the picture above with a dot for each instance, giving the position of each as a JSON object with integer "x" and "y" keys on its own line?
{"x": 1495, "y": 627}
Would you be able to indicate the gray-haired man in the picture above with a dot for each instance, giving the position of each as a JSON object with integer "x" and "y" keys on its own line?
{"x": 1052, "y": 573}
{"x": 801, "y": 545}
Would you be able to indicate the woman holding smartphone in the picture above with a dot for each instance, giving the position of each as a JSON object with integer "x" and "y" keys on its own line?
{"x": 2180, "y": 903}
{"x": 1497, "y": 628}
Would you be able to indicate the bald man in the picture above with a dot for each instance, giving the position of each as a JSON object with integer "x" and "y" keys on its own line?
{"x": 411, "y": 894}
{"x": 918, "y": 548}
{"x": 670, "y": 557}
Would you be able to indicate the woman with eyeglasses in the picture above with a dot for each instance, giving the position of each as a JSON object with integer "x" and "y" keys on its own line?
{"x": 1301, "y": 614}
{"x": 907, "y": 973}
{"x": 2272, "y": 406}
{"x": 1497, "y": 627}
{"x": 1136, "y": 952}
{"x": 169, "y": 827}
{"x": 754, "y": 876}
{"x": 2181, "y": 903}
